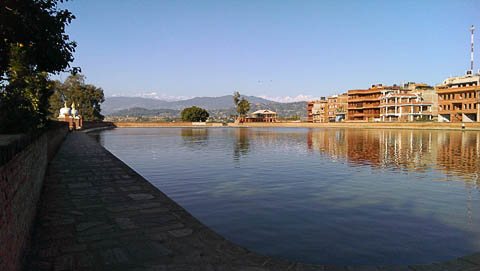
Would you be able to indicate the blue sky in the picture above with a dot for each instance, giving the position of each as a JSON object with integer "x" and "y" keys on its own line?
{"x": 269, "y": 48}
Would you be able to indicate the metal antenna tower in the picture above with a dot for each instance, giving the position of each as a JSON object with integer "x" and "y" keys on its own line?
{"x": 471, "y": 52}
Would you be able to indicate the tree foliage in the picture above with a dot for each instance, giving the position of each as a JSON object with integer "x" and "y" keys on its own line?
{"x": 241, "y": 104}
{"x": 194, "y": 114}
{"x": 294, "y": 117}
{"x": 33, "y": 44}
{"x": 87, "y": 98}
{"x": 236, "y": 98}
{"x": 24, "y": 100}
{"x": 38, "y": 26}
{"x": 243, "y": 107}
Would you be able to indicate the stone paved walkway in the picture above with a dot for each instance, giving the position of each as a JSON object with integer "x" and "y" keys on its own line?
{"x": 98, "y": 214}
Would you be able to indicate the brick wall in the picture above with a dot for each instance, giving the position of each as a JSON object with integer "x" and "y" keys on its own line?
{"x": 23, "y": 164}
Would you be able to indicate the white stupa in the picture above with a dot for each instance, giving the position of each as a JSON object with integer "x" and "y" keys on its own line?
{"x": 71, "y": 116}
{"x": 74, "y": 112}
{"x": 64, "y": 111}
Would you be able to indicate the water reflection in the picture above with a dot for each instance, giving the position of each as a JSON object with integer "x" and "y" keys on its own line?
{"x": 454, "y": 153}
{"x": 326, "y": 196}
{"x": 195, "y": 137}
{"x": 241, "y": 144}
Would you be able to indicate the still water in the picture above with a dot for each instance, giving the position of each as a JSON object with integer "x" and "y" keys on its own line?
{"x": 324, "y": 196}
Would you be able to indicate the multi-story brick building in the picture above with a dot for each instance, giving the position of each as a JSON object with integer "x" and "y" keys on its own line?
{"x": 404, "y": 105}
{"x": 331, "y": 105}
{"x": 428, "y": 94}
{"x": 459, "y": 99}
{"x": 337, "y": 107}
{"x": 317, "y": 110}
{"x": 309, "y": 110}
{"x": 364, "y": 104}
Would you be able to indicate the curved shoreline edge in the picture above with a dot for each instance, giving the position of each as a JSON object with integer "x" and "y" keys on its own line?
{"x": 97, "y": 213}
{"x": 471, "y": 126}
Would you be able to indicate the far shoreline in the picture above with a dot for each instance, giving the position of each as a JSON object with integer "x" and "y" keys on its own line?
{"x": 363, "y": 125}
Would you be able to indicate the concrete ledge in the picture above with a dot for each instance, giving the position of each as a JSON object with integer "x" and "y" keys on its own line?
{"x": 97, "y": 213}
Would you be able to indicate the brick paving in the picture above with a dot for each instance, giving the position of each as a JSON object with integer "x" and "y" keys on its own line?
{"x": 98, "y": 214}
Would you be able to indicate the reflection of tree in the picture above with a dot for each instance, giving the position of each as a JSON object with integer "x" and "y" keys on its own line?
{"x": 242, "y": 143}
{"x": 195, "y": 137}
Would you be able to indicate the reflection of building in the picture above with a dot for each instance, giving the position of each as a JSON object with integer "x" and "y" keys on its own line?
{"x": 261, "y": 116}
{"x": 459, "y": 153}
{"x": 364, "y": 104}
{"x": 459, "y": 99}
{"x": 452, "y": 152}
{"x": 403, "y": 105}
{"x": 317, "y": 110}
{"x": 71, "y": 116}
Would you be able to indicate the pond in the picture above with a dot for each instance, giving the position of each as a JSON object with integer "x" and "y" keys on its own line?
{"x": 320, "y": 196}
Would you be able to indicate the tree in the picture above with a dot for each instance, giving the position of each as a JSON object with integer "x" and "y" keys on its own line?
{"x": 241, "y": 104}
{"x": 24, "y": 100}
{"x": 243, "y": 107}
{"x": 236, "y": 97}
{"x": 33, "y": 44}
{"x": 37, "y": 26}
{"x": 194, "y": 114}
{"x": 87, "y": 98}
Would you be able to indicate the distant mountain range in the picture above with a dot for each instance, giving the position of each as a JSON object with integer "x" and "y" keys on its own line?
{"x": 218, "y": 107}
{"x": 114, "y": 104}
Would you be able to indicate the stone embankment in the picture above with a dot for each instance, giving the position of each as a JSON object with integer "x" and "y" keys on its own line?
{"x": 369, "y": 125}
{"x": 23, "y": 163}
{"x": 366, "y": 125}
{"x": 166, "y": 124}
{"x": 96, "y": 213}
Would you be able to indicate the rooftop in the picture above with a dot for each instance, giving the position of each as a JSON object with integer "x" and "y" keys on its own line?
{"x": 263, "y": 112}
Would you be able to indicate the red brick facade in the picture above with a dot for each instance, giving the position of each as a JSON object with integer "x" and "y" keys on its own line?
{"x": 22, "y": 170}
